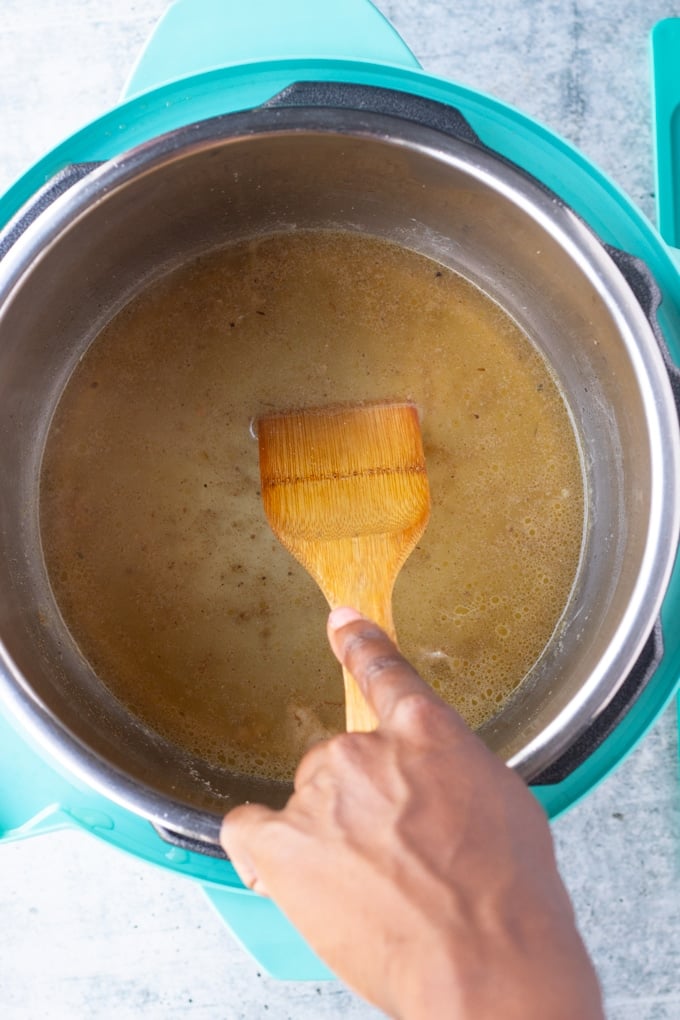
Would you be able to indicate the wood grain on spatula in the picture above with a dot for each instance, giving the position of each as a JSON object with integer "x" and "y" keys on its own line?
{"x": 345, "y": 490}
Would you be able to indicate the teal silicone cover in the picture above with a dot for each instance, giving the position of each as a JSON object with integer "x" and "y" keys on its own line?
{"x": 207, "y": 58}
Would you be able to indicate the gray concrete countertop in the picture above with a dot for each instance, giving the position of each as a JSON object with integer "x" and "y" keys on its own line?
{"x": 88, "y": 932}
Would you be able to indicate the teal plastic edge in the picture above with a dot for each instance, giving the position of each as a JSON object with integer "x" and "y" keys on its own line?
{"x": 265, "y": 932}
{"x": 665, "y": 63}
{"x": 201, "y": 35}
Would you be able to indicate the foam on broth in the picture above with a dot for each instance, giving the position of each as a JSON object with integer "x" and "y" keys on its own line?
{"x": 155, "y": 541}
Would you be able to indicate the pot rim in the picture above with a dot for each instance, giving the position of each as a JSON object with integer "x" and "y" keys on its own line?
{"x": 535, "y": 201}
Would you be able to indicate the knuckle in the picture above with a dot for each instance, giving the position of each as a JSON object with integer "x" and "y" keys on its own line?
{"x": 380, "y": 664}
{"x": 373, "y": 659}
{"x": 416, "y": 714}
{"x": 333, "y": 761}
{"x": 361, "y": 645}
{"x": 346, "y": 757}
{"x": 345, "y": 747}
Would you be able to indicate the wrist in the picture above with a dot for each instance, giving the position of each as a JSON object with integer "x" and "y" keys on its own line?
{"x": 483, "y": 982}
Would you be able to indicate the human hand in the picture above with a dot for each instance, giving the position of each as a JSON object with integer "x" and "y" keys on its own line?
{"x": 415, "y": 863}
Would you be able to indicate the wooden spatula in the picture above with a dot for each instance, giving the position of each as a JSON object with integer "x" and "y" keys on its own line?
{"x": 345, "y": 490}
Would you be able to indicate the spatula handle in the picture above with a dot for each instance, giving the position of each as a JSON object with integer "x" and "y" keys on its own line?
{"x": 363, "y": 580}
{"x": 359, "y": 716}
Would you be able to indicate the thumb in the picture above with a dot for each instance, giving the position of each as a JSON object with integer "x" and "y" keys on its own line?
{"x": 384, "y": 676}
{"x": 242, "y": 836}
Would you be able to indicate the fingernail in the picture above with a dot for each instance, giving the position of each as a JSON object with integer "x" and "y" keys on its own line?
{"x": 342, "y": 616}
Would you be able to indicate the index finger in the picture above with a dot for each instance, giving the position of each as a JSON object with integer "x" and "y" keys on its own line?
{"x": 381, "y": 671}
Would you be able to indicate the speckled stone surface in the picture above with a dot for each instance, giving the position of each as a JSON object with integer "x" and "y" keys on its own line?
{"x": 88, "y": 932}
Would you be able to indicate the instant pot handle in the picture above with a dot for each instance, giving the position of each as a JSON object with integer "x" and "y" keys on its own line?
{"x": 254, "y": 921}
{"x": 60, "y": 183}
{"x": 605, "y": 724}
{"x": 648, "y": 295}
{"x": 195, "y": 36}
{"x": 209, "y": 846}
{"x": 374, "y": 99}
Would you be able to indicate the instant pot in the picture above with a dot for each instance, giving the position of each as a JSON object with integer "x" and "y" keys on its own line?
{"x": 218, "y": 137}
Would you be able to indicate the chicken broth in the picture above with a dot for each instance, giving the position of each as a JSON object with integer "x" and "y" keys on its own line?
{"x": 154, "y": 537}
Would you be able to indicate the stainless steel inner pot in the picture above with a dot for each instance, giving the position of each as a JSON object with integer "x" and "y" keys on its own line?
{"x": 267, "y": 170}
